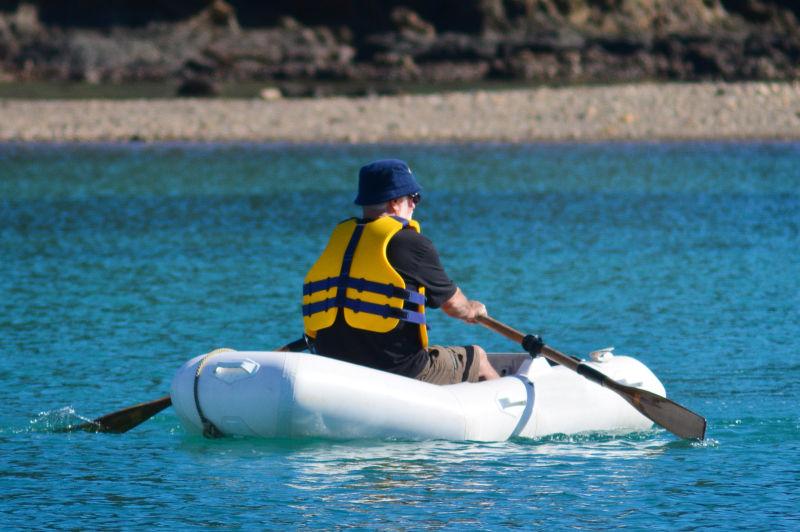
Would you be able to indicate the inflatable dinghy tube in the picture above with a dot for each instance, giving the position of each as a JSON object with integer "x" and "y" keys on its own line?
{"x": 295, "y": 395}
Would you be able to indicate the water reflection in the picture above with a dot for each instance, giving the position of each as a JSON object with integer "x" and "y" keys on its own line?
{"x": 409, "y": 473}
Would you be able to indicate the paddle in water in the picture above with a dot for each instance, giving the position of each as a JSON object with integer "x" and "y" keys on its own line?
{"x": 675, "y": 418}
{"x": 128, "y": 418}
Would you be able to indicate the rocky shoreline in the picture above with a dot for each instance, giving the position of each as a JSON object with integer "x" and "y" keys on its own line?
{"x": 383, "y": 46}
{"x": 673, "y": 111}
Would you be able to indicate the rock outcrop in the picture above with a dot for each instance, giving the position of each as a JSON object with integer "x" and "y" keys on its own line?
{"x": 300, "y": 46}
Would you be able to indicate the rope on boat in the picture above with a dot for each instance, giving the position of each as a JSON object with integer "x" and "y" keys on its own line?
{"x": 209, "y": 429}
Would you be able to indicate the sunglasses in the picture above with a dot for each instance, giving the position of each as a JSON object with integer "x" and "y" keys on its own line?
{"x": 416, "y": 198}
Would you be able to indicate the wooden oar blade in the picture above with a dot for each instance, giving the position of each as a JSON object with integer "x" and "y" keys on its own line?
{"x": 125, "y": 419}
{"x": 675, "y": 418}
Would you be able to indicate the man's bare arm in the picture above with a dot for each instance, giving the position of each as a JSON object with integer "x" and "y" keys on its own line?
{"x": 458, "y": 306}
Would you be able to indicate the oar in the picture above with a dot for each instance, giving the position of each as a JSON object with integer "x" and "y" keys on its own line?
{"x": 670, "y": 415}
{"x": 127, "y": 418}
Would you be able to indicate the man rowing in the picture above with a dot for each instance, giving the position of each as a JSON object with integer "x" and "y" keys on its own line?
{"x": 364, "y": 300}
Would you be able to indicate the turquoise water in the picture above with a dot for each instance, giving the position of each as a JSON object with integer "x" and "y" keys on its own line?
{"x": 119, "y": 262}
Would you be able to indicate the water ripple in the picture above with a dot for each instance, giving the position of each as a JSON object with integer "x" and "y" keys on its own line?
{"x": 119, "y": 262}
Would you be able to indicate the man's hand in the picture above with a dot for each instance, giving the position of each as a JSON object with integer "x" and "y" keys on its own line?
{"x": 477, "y": 309}
{"x": 462, "y": 308}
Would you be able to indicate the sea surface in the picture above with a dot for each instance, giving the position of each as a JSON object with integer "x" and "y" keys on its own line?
{"x": 119, "y": 262}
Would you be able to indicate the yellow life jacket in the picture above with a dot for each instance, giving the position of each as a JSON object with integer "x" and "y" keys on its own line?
{"x": 354, "y": 275}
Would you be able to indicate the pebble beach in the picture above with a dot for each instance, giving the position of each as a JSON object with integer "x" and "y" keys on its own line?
{"x": 685, "y": 111}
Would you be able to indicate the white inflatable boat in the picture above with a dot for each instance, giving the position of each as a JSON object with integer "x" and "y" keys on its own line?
{"x": 287, "y": 395}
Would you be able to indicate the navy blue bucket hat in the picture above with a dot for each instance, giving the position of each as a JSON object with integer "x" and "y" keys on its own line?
{"x": 384, "y": 180}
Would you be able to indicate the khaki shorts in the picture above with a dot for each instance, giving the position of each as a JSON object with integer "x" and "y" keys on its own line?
{"x": 450, "y": 365}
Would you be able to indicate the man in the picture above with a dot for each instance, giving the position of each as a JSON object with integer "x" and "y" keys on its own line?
{"x": 364, "y": 299}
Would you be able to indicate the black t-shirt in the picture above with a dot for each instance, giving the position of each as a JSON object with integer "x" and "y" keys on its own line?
{"x": 400, "y": 350}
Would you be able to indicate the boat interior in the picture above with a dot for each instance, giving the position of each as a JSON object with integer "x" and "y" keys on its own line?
{"x": 507, "y": 363}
